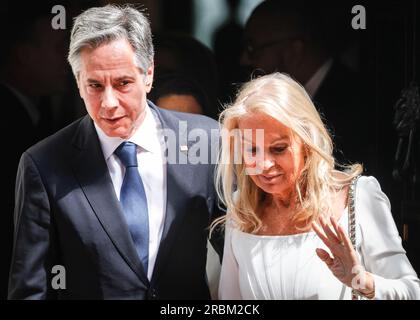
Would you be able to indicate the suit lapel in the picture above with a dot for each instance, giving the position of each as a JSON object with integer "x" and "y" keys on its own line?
{"x": 175, "y": 199}
{"x": 92, "y": 173}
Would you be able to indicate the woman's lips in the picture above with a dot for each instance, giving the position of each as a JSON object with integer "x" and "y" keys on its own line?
{"x": 272, "y": 178}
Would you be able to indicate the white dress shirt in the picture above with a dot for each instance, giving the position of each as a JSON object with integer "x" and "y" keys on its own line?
{"x": 317, "y": 78}
{"x": 287, "y": 267}
{"x": 152, "y": 170}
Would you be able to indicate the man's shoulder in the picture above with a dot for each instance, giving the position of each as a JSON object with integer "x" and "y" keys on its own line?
{"x": 192, "y": 121}
{"x": 56, "y": 143}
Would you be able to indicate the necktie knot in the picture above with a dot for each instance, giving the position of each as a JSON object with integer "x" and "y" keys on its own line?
{"x": 127, "y": 153}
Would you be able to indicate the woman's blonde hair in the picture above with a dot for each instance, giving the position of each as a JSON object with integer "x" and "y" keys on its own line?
{"x": 285, "y": 100}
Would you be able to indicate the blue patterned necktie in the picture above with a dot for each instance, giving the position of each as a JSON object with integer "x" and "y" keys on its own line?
{"x": 134, "y": 202}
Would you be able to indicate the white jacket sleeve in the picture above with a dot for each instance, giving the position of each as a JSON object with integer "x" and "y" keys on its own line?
{"x": 229, "y": 276}
{"x": 381, "y": 245}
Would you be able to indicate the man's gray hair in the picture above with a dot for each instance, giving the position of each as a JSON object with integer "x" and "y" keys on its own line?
{"x": 100, "y": 25}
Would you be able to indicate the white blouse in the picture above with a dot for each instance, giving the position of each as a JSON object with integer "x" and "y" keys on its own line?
{"x": 287, "y": 267}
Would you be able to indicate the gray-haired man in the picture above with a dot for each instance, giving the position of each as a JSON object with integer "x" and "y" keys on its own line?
{"x": 98, "y": 197}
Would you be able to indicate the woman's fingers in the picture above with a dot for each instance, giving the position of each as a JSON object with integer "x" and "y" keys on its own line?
{"x": 320, "y": 233}
{"x": 345, "y": 239}
{"x": 336, "y": 227}
{"x": 342, "y": 257}
{"x": 324, "y": 256}
{"x": 335, "y": 238}
{"x": 341, "y": 234}
{"x": 332, "y": 236}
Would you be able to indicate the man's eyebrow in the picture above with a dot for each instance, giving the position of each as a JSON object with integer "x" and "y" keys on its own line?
{"x": 124, "y": 78}
{"x": 90, "y": 80}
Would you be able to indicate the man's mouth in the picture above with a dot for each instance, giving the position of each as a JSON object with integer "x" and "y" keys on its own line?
{"x": 113, "y": 120}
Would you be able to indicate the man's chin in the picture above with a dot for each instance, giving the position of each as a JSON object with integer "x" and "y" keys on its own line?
{"x": 122, "y": 133}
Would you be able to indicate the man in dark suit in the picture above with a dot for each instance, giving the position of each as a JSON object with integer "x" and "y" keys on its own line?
{"x": 116, "y": 201}
{"x": 305, "y": 40}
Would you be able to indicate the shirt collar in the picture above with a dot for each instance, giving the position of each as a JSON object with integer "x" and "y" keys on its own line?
{"x": 315, "y": 81}
{"x": 141, "y": 137}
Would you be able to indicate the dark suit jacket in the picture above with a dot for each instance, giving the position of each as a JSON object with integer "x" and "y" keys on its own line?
{"x": 19, "y": 133}
{"x": 67, "y": 214}
{"x": 348, "y": 112}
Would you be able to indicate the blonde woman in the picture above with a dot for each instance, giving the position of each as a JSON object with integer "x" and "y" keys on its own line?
{"x": 286, "y": 227}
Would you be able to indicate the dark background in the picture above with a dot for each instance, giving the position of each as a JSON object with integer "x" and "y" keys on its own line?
{"x": 383, "y": 54}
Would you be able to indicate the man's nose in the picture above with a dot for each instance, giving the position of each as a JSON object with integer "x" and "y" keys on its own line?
{"x": 109, "y": 99}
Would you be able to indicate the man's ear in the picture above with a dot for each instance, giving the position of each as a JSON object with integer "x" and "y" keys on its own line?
{"x": 149, "y": 77}
{"x": 79, "y": 86}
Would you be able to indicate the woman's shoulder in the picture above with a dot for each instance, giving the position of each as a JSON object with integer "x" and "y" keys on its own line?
{"x": 371, "y": 201}
{"x": 369, "y": 188}
{"x": 374, "y": 217}
{"x": 368, "y": 182}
